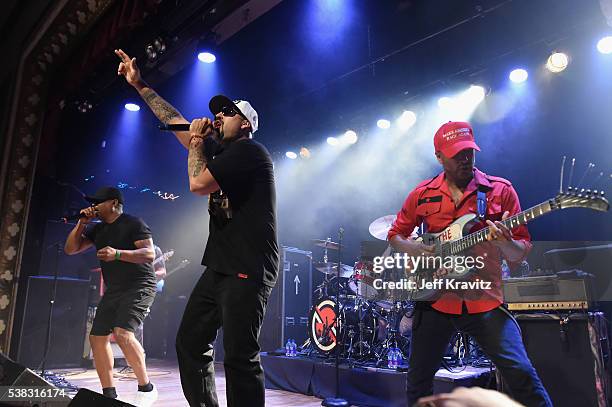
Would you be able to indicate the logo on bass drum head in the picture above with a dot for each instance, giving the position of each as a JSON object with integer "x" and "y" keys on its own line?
{"x": 322, "y": 323}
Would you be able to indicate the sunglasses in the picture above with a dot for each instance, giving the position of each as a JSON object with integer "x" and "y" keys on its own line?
{"x": 228, "y": 111}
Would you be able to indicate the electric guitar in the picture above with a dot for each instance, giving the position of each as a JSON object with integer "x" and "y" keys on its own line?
{"x": 163, "y": 257}
{"x": 159, "y": 287}
{"x": 456, "y": 239}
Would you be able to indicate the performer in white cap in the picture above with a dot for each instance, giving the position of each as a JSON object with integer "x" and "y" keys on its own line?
{"x": 241, "y": 255}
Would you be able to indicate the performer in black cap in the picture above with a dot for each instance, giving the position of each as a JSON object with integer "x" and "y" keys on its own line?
{"x": 125, "y": 248}
{"x": 241, "y": 255}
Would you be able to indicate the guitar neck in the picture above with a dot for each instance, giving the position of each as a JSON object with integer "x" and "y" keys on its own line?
{"x": 521, "y": 218}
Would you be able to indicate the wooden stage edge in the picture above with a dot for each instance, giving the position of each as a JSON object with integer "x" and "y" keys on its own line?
{"x": 164, "y": 374}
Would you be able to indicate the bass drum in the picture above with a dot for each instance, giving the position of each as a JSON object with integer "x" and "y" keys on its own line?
{"x": 354, "y": 315}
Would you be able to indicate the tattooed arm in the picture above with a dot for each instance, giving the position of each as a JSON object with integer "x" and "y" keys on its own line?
{"x": 164, "y": 111}
{"x": 201, "y": 181}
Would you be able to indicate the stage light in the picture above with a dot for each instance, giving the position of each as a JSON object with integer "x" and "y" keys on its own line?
{"x": 291, "y": 155}
{"x": 444, "y": 102}
{"x": 406, "y": 120}
{"x": 132, "y": 107}
{"x": 151, "y": 53}
{"x": 83, "y": 106}
{"x": 518, "y": 75}
{"x": 333, "y": 141}
{"x": 206, "y": 48}
{"x": 159, "y": 44}
{"x": 557, "y": 62}
{"x": 155, "y": 48}
{"x": 304, "y": 153}
{"x": 207, "y": 57}
{"x": 476, "y": 94}
{"x": 383, "y": 124}
{"x": 605, "y": 45}
{"x": 350, "y": 137}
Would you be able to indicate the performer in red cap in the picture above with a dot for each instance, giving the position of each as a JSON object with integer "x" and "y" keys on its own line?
{"x": 434, "y": 204}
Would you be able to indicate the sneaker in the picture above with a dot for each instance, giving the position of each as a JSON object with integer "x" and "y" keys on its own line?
{"x": 145, "y": 398}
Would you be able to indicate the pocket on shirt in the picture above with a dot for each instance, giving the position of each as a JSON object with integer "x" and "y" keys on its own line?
{"x": 494, "y": 208}
{"x": 428, "y": 209}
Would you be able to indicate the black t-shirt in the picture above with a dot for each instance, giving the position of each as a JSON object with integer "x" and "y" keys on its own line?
{"x": 242, "y": 230}
{"x": 121, "y": 235}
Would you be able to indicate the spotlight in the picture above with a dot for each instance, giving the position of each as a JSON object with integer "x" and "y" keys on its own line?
{"x": 333, "y": 141}
{"x": 605, "y": 45}
{"x": 350, "y": 137}
{"x": 406, "y": 120}
{"x": 206, "y": 49}
{"x": 383, "y": 124}
{"x": 159, "y": 45}
{"x": 444, "y": 102}
{"x": 291, "y": 155}
{"x": 518, "y": 75}
{"x": 83, "y": 106}
{"x": 304, "y": 153}
{"x": 155, "y": 48}
{"x": 557, "y": 62}
{"x": 207, "y": 57}
{"x": 132, "y": 107}
{"x": 476, "y": 93}
{"x": 151, "y": 53}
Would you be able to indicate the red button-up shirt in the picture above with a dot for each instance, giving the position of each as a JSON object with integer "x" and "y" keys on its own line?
{"x": 431, "y": 203}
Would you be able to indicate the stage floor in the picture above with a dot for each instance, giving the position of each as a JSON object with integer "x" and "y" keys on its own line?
{"x": 164, "y": 374}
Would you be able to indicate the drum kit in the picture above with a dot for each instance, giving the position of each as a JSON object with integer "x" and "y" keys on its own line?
{"x": 370, "y": 321}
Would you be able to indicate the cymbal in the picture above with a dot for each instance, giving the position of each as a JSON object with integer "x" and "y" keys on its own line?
{"x": 327, "y": 243}
{"x": 330, "y": 268}
{"x": 380, "y": 227}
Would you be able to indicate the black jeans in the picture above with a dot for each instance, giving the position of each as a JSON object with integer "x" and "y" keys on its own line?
{"x": 495, "y": 331}
{"x": 237, "y": 305}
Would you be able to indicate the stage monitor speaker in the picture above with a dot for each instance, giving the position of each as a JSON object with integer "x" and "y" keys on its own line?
{"x": 570, "y": 352}
{"x": 68, "y": 322}
{"x": 88, "y": 398}
{"x": 12, "y": 374}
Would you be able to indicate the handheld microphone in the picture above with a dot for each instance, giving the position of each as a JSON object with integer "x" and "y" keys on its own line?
{"x": 184, "y": 126}
{"x": 74, "y": 216}
{"x": 174, "y": 127}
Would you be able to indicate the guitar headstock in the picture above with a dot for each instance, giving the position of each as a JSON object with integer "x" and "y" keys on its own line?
{"x": 583, "y": 198}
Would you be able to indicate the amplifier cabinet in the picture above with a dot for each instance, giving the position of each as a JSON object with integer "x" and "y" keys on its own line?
{"x": 290, "y": 301}
{"x": 570, "y": 352}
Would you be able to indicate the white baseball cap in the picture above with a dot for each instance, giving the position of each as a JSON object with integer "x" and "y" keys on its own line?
{"x": 217, "y": 103}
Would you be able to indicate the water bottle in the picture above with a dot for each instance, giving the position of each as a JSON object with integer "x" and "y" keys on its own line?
{"x": 400, "y": 360}
{"x": 390, "y": 358}
{"x": 293, "y": 348}
{"x": 288, "y": 348}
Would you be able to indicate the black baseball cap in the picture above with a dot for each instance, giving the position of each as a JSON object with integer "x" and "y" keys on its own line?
{"x": 105, "y": 194}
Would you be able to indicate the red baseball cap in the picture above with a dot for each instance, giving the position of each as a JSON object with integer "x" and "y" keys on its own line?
{"x": 453, "y": 137}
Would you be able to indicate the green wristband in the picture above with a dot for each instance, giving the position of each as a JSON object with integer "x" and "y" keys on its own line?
{"x": 117, "y": 254}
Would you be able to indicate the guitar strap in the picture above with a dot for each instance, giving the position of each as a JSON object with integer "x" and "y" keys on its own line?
{"x": 481, "y": 202}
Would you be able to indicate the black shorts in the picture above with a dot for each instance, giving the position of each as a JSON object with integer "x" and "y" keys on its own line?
{"x": 122, "y": 309}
